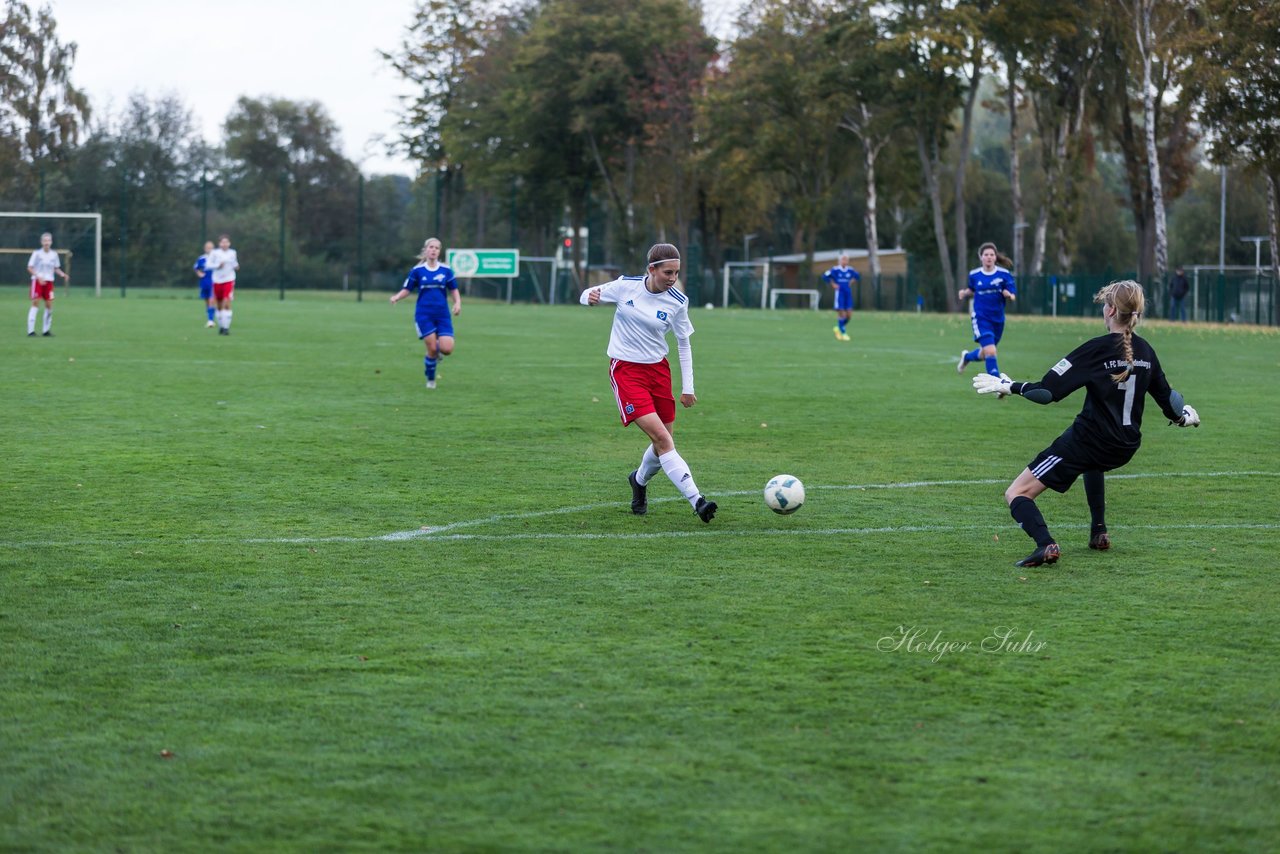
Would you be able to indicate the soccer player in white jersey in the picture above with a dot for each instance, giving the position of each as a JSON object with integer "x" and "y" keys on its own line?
{"x": 649, "y": 307}
{"x": 223, "y": 263}
{"x": 43, "y": 266}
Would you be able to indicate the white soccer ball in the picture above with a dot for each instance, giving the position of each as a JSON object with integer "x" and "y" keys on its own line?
{"x": 784, "y": 494}
{"x": 709, "y": 306}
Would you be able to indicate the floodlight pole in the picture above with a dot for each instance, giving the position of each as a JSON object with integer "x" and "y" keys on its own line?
{"x": 283, "y": 189}
{"x": 360, "y": 240}
{"x": 1222, "y": 223}
{"x": 746, "y": 246}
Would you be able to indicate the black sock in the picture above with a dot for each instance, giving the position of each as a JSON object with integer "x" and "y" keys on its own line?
{"x": 1095, "y": 492}
{"x": 1027, "y": 514}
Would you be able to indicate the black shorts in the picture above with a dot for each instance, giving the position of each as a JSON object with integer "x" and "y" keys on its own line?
{"x": 1058, "y": 465}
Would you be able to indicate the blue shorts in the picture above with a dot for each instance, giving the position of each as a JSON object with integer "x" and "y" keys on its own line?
{"x": 206, "y": 291}
{"x": 844, "y": 298}
{"x": 987, "y": 332}
{"x": 434, "y": 321}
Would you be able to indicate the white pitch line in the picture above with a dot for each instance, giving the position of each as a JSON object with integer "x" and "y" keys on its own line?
{"x": 819, "y": 532}
{"x": 443, "y": 532}
{"x": 433, "y": 532}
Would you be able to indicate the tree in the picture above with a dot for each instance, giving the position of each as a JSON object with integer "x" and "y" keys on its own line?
{"x": 40, "y": 109}
{"x": 434, "y": 55}
{"x": 1155, "y": 27}
{"x": 271, "y": 137}
{"x": 965, "y": 21}
{"x": 773, "y": 110}
{"x": 588, "y": 77}
{"x": 862, "y": 77}
{"x": 928, "y": 88}
{"x": 1059, "y": 78}
{"x": 1014, "y": 27}
{"x": 1243, "y": 96}
{"x": 1175, "y": 98}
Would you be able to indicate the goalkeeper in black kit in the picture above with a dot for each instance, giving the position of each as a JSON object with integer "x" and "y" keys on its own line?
{"x": 1117, "y": 371}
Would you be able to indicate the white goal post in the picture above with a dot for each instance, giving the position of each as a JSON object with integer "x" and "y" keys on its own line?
{"x": 764, "y": 266}
{"x": 97, "y": 235}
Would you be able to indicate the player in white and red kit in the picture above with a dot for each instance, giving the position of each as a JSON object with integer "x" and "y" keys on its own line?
{"x": 649, "y": 307}
{"x": 223, "y": 263}
{"x": 43, "y": 265}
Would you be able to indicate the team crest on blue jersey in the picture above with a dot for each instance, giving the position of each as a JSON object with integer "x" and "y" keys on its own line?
{"x": 662, "y": 315}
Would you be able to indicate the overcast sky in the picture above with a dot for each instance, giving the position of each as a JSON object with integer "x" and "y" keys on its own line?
{"x": 212, "y": 52}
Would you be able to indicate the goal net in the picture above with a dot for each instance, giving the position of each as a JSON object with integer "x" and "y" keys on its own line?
{"x": 77, "y": 238}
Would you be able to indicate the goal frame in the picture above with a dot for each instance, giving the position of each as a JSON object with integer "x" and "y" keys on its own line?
{"x": 97, "y": 235}
{"x": 766, "y": 265}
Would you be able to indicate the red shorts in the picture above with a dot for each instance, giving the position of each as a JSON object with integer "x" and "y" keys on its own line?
{"x": 41, "y": 290}
{"x": 641, "y": 389}
{"x": 224, "y": 290}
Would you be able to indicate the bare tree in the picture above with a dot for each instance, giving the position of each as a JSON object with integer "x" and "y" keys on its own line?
{"x": 1149, "y": 30}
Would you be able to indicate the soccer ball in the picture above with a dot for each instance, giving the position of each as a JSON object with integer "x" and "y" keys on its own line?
{"x": 784, "y": 494}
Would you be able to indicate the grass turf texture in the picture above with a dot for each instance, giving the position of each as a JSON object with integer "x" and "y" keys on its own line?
{"x": 207, "y": 645}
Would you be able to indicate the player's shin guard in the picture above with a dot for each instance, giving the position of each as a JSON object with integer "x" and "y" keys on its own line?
{"x": 678, "y": 470}
{"x": 31, "y": 320}
{"x": 429, "y": 367}
{"x": 1025, "y": 512}
{"x": 993, "y": 367}
{"x": 1095, "y": 492}
{"x": 649, "y": 466}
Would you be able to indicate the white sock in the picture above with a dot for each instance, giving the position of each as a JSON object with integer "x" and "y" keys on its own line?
{"x": 649, "y": 466}
{"x": 31, "y": 319}
{"x": 227, "y": 325}
{"x": 678, "y": 470}
{"x": 48, "y": 319}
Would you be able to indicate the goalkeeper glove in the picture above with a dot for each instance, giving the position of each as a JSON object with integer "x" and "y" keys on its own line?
{"x": 987, "y": 384}
{"x": 1190, "y": 418}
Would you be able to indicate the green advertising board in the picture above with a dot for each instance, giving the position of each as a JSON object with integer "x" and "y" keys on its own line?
{"x": 484, "y": 263}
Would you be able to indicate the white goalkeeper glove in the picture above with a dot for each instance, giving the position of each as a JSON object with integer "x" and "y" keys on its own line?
{"x": 1190, "y": 418}
{"x": 987, "y": 384}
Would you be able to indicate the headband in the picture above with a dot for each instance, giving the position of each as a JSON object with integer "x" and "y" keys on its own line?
{"x": 663, "y": 261}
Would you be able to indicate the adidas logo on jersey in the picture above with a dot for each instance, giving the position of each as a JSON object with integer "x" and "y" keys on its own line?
{"x": 631, "y": 303}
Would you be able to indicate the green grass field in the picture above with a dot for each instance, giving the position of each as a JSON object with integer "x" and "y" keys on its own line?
{"x": 266, "y": 592}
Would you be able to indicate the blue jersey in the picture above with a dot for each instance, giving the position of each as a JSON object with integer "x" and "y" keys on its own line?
{"x": 988, "y": 302}
{"x": 842, "y": 277}
{"x": 431, "y": 286}
{"x": 206, "y": 275}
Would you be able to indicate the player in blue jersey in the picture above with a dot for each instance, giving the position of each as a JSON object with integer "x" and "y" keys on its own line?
{"x": 991, "y": 286}
{"x": 432, "y": 281}
{"x": 205, "y": 275}
{"x": 841, "y": 277}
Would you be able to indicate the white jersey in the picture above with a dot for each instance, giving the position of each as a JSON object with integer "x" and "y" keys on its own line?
{"x": 44, "y": 262}
{"x": 642, "y": 320}
{"x": 223, "y": 263}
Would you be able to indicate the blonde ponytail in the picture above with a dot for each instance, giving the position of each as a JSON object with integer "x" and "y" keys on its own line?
{"x": 1128, "y": 301}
